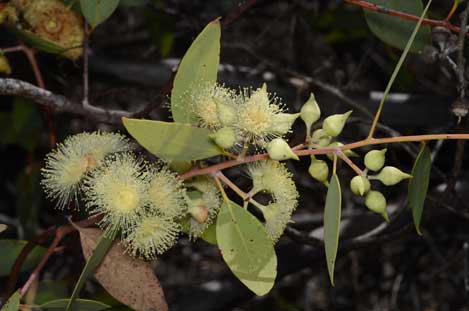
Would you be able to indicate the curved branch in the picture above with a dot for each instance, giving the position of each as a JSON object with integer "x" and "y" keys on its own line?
{"x": 59, "y": 103}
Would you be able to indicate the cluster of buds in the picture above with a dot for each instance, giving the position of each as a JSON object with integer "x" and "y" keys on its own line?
{"x": 144, "y": 202}
{"x": 387, "y": 175}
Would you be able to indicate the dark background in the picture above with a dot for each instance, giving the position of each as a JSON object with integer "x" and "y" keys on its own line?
{"x": 284, "y": 43}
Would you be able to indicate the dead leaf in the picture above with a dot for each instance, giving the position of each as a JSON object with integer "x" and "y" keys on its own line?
{"x": 130, "y": 280}
{"x": 3, "y": 227}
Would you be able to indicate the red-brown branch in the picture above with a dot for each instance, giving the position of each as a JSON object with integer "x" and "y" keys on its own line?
{"x": 381, "y": 9}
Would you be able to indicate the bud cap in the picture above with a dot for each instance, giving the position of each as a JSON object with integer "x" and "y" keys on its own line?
{"x": 319, "y": 170}
{"x": 282, "y": 122}
{"x": 374, "y": 159}
{"x": 360, "y": 185}
{"x": 376, "y": 202}
{"x": 334, "y": 124}
{"x": 279, "y": 150}
{"x": 310, "y": 112}
{"x": 391, "y": 175}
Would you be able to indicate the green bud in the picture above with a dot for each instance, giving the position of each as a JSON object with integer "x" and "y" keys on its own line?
{"x": 227, "y": 114}
{"x": 224, "y": 137}
{"x": 279, "y": 150}
{"x": 319, "y": 169}
{"x": 348, "y": 153}
{"x": 321, "y": 138}
{"x": 391, "y": 175}
{"x": 360, "y": 185}
{"x": 310, "y": 112}
{"x": 334, "y": 124}
{"x": 376, "y": 202}
{"x": 374, "y": 159}
{"x": 282, "y": 122}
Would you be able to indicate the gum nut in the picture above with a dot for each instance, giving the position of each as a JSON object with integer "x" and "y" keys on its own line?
{"x": 199, "y": 212}
{"x": 376, "y": 202}
{"x": 224, "y": 137}
{"x": 319, "y": 170}
{"x": 310, "y": 112}
{"x": 321, "y": 138}
{"x": 334, "y": 124}
{"x": 283, "y": 122}
{"x": 360, "y": 185}
{"x": 391, "y": 175}
{"x": 279, "y": 150}
{"x": 374, "y": 159}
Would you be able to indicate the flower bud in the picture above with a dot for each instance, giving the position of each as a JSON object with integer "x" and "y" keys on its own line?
{"x": 4, "y": 65}
{"x": 376, "y": 202}
{"x": 348, "y": 153}
{"x": 334, "y": 124}
{"x": 374, "y": 159}
{"x": 199, "y": 211}
{"x": 391, "y": 175}
{"x": 310, "y": 112}
{"x": 224, "y": 137}
{"x": 227, "y": 114}
{"x": 321, "y": 138}
{"x": 282, "y": 122}
{"x": 319, "y": 169}
{"x": 360, "y": 185}
{"x": 279, "y": 150}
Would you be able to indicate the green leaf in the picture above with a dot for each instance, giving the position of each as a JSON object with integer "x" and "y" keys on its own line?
{"x": 10, "y": 249}
{"x": 78, "y": 305}
{"x": 210, "y": 234}
{"x": 394, "y": 30}
{"x": 172, "y": 141}
{"x": 418, "y": 185}
{"x": 198, "y": 66}
{"x": 97, "y": 11}
{"x": 332, "y": 223}
{"x": 51, "y": 290}
{"x": 13, "y": 303}
{"x": 39, "y": 43}
{"x": 102, "y": 247}
{"x": 246, "y": 248}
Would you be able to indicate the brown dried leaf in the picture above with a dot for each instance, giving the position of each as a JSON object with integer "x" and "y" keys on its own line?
{"x": 129, "y": 280}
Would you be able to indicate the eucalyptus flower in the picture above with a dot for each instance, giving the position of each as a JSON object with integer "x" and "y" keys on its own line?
{"x": 72, "y": 160}
{"x": 151, "y": 236}
{"x": 119, "y": 190}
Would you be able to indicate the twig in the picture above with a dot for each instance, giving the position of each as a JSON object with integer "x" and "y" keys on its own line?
{"x": 350, "y": 163}
{"x": 306, "y": 152}
{"x": 13, "y": 278}
{"x": 232, "y": 185}
{"x": 85, "y": 68}
{"x": 380, "y": 9}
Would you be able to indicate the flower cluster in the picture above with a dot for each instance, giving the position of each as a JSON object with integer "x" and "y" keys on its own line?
{"x": 274, "y": 178}
{"x": 246, "y": 117}
{"x": 142, "y": 201}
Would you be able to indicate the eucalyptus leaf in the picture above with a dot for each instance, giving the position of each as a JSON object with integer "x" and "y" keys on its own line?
{"x": 418, "y": 185}
{"x": 210, "y": 234}
{"x": 172, "y": 141}
{"x": 38, "y": 42}
{"x": 13, "y": 303}
{"x": 332, "y": 213}
{"x": 97, "y": 11}
{"x": 102, "y": 247}
{"x": 394, "y": 30}
{"x": 10, "y": 249}
{"x": 199, "y": 66}
{"x": 78, "y": 305}
{"x": 246, "y": 248}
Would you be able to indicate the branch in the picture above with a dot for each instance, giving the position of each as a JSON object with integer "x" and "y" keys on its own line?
{"x": 381, "y": 9}
{"x": 59, "y": 103}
